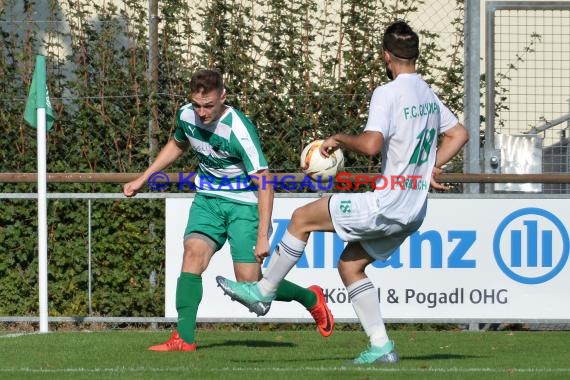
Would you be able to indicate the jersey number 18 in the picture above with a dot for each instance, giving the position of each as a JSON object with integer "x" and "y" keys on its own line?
{"x": 422, "y": 149}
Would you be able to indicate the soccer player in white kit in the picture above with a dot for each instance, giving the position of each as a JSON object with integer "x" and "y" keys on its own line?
{"x": 404, "y": 122}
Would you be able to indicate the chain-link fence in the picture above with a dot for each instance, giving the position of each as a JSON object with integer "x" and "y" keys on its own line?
{"x": 529, "y": 49}
{"x": 118, "y": 70}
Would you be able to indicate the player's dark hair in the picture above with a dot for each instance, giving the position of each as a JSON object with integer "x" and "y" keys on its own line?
{"x": 206, "y": 80}
{"x": 400, "y": 40}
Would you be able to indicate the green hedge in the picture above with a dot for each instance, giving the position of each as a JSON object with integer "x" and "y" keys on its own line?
{"x": 300, "y": 71}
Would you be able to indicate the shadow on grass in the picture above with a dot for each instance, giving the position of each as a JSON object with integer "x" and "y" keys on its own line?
{"x": 347, "y": 360}
{"x": 441, "y": 357}
{"x": 249, "y": 343}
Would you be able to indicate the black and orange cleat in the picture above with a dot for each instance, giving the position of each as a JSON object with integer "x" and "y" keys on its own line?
{"x": 321, "y": 312}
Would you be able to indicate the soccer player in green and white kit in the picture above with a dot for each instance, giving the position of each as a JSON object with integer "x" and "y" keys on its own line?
{"x": 404, "y": 120}
{"x": 228, "y": 150}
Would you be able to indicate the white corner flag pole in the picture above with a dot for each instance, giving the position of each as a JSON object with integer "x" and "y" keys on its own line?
{"x": 42, "y": 220}
{"x": 41, "y": 104}
{"x": 38, "y": 108}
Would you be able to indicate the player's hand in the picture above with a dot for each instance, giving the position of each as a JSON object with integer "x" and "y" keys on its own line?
{"x": 329, "y": 146}
{"x": 261, "y": 249}
{"x": 130, "y": 189}
{"x": 433, "y": 183}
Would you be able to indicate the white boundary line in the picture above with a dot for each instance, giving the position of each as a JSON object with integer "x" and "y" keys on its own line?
{"x": 297, "y": 369}
{"x": 16, "y": 335}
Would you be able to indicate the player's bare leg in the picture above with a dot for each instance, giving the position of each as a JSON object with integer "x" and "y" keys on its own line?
{"x": 257, "y": 297}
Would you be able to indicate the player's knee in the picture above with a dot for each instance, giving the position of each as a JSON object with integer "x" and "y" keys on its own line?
{"x": 301, "y": 221}
{"x": 196, "y": 259}
{"x": 247, "y": 272}
{"x": 298, "y": 216}
{"x": 349, "y": 272}
{"x": 191, "y": 252}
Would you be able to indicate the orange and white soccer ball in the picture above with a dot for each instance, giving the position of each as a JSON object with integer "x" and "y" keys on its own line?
{"x": 316, "y": 165}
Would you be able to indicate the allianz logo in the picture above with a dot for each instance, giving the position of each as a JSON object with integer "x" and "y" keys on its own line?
{"x": 530, "y": 246}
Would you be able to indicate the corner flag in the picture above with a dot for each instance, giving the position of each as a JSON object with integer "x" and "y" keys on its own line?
{"x": 39, "y": 96}
{"x": 38, "y": 114}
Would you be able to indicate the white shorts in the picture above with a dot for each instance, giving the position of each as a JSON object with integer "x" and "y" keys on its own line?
{"x": 356, "y": 218}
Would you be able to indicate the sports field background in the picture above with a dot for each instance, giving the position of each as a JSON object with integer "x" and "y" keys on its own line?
{"x": 235, "y": 354}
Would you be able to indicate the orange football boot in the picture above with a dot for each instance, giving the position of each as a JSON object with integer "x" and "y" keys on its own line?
{"x": 175, "y": 343}
{"x": 321, "y": 312}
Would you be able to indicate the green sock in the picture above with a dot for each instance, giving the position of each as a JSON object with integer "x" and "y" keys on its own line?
{"x": 288, "y": 291}
{"x": 188, "y": 297}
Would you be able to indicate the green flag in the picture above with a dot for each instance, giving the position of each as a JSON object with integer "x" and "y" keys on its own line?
{"x": 39, "y": 96}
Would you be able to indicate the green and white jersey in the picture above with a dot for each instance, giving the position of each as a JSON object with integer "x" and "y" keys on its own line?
{"x": 228, "y": 152}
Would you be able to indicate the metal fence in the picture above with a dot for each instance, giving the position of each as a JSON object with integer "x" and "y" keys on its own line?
{"x": 90, "y": 201}
{"x": 528, "y": 90}
{"x": 87, "y": 202}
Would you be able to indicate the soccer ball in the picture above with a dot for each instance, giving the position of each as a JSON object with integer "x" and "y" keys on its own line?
{"x": 315, "y": 165}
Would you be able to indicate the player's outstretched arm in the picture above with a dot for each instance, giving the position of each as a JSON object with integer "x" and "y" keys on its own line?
{"x": 368, "y": 143}
{"x": 170, "y": 153}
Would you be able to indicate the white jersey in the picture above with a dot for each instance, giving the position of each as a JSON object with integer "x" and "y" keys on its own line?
{"x": 410, "y": 116}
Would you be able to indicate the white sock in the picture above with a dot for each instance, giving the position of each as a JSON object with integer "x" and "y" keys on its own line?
{"x": 364, "y": 298}
{"x": 288, "y": 252}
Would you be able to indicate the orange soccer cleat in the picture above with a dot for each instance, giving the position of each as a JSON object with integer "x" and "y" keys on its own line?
{"x": 175, "y": 343}
{"x": 321, "y": 312}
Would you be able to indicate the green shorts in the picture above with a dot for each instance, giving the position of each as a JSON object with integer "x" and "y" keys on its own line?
{"x": 222, "y": 219}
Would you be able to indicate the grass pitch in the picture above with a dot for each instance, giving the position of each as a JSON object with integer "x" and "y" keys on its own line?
{"x": 284, "y": 355}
